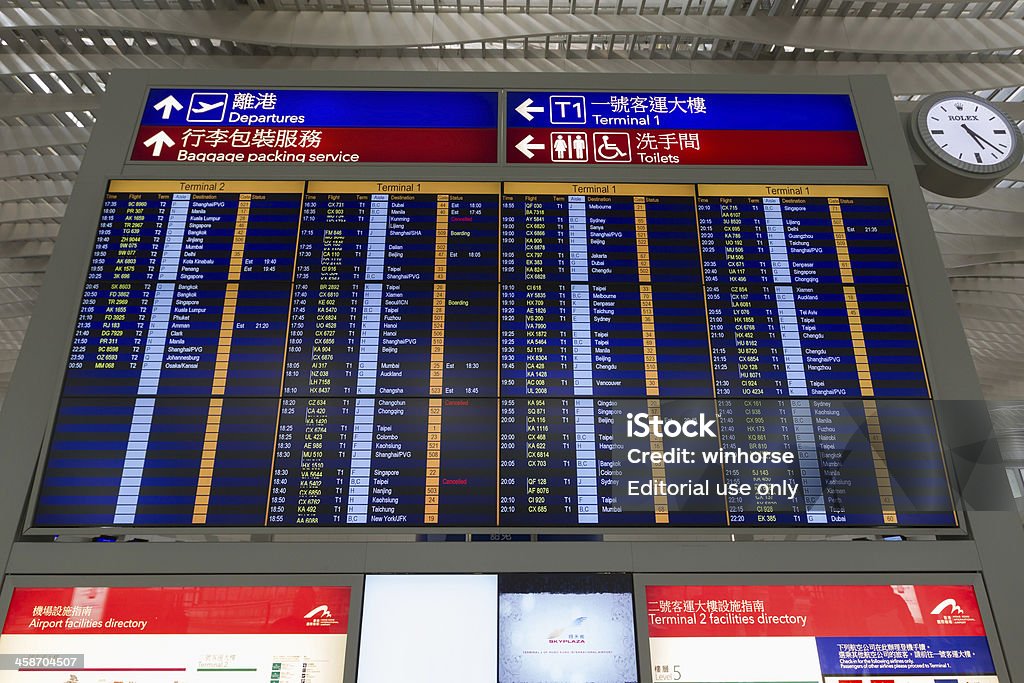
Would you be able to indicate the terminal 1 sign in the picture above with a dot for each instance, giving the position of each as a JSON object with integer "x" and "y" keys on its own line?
{"x": 659, "y": 128}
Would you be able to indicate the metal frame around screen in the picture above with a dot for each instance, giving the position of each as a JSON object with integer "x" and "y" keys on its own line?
{"x": 500, "y": 173}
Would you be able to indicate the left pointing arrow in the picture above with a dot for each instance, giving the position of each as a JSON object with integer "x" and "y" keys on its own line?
{"x": 158, "y": 141}
{"x": 168, "y": 104}
{"x": 527, "y": 145}
{"x": 526, "y": 111}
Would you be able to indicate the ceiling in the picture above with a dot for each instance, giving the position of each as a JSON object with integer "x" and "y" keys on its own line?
{"x": 55, "y": 57}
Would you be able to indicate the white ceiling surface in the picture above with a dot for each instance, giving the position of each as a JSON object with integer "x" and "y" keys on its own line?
{"x": 55, "y": 56}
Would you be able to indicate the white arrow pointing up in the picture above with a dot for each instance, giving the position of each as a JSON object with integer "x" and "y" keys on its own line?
{"x": 524, "y": 146}
{"x": 525, "y": 110}
{"x": 158, "y": 141}
{"x": 167, "y": 104}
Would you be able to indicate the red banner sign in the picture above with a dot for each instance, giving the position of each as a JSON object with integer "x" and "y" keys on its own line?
{"x": 823, "y": 611}
{"x": 225, "y": 144}
{"x": 180, "y": 610}
{"x": 685, "y": 147}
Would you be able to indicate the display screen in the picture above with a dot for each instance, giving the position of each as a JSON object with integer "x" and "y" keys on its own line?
{"x": 566, "y": 627}
{"x": 509, "y": 628}
{"x": 429, "y": 629}
{"x": 234, "y": 634}
{"x": 830, "y": 634}
{"x": 480, "y": 354}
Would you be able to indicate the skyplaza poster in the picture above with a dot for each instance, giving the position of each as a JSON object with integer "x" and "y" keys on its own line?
{"x": 566, "y": 628}
{"x": 822, "y": 634}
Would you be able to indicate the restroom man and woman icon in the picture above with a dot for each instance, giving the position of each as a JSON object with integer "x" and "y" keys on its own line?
{"x": 573, "y": 147}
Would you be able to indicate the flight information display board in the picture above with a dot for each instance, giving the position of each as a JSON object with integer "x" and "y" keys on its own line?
{"x": 475, "y": 355}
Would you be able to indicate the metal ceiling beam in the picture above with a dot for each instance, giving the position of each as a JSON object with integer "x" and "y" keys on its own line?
{"x": 25, "y": 231}
{"x": 334, "y": 5}
{"x": 1014, "y": 110}
{"x": 26, "y": 249}
{"x": 300, "y": 29}
{"x": 960, "y": 249}
{"x": 905, "y": 77}
{"x": 17, "y": 190}
{"x": 36, "y": 264}
{"x": 976, "y": 222}
{"x": 19, "y": 212}
{"x": 32, "y": 105}
{"x": 24, "y": 165}
{"x": 993, "y": 200}
{"x": 14, "y": 138}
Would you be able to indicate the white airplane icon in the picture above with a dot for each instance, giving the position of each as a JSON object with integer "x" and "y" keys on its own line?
{"x": 206, "y": 106}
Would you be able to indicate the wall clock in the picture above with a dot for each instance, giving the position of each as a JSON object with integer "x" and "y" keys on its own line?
{"x": 965, "y": 143}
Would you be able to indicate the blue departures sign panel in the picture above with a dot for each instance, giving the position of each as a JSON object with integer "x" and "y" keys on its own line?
{"x": 466, "y": 355}
{"x": 659, "y": 128}
{"x": 317, "y": 126}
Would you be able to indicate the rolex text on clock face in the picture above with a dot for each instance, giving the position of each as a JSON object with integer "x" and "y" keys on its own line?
{"x": 970, "y": 131}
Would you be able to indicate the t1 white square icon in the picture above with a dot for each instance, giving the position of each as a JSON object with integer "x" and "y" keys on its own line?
{"x": 567, "y": 109}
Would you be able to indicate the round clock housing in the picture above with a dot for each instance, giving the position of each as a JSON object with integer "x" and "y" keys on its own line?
{"x": 965, "y": 142}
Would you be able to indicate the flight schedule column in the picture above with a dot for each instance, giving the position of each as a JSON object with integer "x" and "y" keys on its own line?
{"x": 555, "y": 236}
{"x": 391, "y": 348}
{"x": 370, "y": 257}
{"x": 830, "y": 462}
{"x": 433, "y": 480}
{"x": 185, "y": 304}
{"x": 193, "y": 277}
{"x": 588, "y": 314}
{"x": 806, "y": 292}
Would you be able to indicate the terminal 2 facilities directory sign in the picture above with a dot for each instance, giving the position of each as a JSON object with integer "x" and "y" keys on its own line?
{"x": 830, "y": 634}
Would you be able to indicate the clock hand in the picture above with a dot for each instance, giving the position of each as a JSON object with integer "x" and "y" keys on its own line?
{"x": 974, "y": 136}
{"x": 978, "y": 137}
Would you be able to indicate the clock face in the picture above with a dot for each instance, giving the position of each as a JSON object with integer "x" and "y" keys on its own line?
{"x": 970, "y": 132}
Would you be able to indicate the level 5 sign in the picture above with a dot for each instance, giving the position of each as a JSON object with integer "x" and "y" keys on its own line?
{"x": 260, "y": 125}
{"x": 682, "y": 128}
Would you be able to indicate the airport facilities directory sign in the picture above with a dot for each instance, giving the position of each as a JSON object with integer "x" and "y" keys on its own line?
{"x": 482, "y": 354}
{"x": 223, "y": 634}
{"x": 815, "y": 634}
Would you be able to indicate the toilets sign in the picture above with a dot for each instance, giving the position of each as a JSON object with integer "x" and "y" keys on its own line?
{"x": 260, "y": 125}
{"x": 681, "y": 128}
